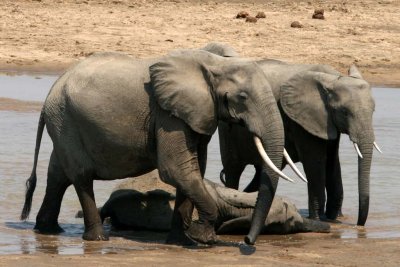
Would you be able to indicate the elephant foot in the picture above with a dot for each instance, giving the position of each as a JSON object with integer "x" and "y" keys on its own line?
{"x": 179, "y": 238}
{"x": 334, "y": 219}
{"x": 340, "y": 214}
{"x": 48, "y": 228}
{"x": 202, "y": 232}
{"x": 95, "y": 233}
{"x": 326, "y": 219}
{"x": 333, "y": 215}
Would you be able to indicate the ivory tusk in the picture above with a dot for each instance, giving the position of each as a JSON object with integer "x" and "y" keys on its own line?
{"x": 267, "y": 160}
{"x": 377, "y": 147}
{"x": 293, "y": 166}
{"x": 358, "y": 150}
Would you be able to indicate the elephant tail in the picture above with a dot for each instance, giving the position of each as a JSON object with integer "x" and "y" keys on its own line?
{"x": 31, "y": 182}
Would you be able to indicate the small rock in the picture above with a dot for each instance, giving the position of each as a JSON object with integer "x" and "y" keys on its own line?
{"x": 251, "y": 19}
{"x": 242, "y": 15}
{"x": 261, "y": 15}
{"x": 296, "y": 24}
{"x": 319, "y": 11}
{"x": 318, "y": 14}
{"x": 169, "y": 40}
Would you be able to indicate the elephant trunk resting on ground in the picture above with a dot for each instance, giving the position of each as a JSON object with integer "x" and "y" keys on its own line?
{"x": 151, "y": 210}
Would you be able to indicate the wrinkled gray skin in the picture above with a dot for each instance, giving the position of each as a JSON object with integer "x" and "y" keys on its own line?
{"x": 317, "y": 104}
{"x": 112, "y": 117}
{"x": 151, "y": 210}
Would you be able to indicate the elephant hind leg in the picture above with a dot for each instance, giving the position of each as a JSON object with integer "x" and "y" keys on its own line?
{"x": 93, "y": 226}
{"x": 78, "y": 167}
{"x": 57, "y": 183}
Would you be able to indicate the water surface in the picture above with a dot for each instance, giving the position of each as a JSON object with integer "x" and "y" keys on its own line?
{"x": 17, "y": 142}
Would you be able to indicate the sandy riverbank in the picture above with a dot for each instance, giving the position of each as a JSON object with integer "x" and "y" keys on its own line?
{"x": 47, "y": 36}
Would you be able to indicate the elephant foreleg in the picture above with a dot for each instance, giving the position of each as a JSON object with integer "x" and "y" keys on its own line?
{"x": 178, "y": 155}
{"x": 181, "y": 220}
{"x": 313, "y": 156}
{"x": 255, "y": 183}
{"x": 183, "y": 210}
{"x": 316, "y": 189}
{"x": 334, "y": 186}
{"x": 233, "y": 171}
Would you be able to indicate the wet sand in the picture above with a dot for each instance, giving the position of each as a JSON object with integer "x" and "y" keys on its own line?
{"x": 301, "y": 250}
{"x": 48, "y": 36}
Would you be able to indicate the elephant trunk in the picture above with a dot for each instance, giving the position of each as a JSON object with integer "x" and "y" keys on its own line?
{"x": 272, "y": 138}
{"x": 364, "y": 167}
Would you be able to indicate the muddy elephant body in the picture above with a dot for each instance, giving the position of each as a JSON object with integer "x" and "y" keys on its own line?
{"x": 111, "y": 117}
{"x": 317, "y": 104}
{"x": 152, "y": 210}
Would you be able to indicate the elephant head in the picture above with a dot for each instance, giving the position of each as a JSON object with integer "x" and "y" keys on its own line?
{"x": 326, "y": 105}
{"x": 202, "y": 88}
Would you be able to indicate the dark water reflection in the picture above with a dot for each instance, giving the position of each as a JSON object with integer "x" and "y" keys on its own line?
{"x": 17, "y": 137}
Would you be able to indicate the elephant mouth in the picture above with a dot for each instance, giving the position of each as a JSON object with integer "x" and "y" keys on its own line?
{"x": 359, "y": 152}
{"x": 270, "y": 164}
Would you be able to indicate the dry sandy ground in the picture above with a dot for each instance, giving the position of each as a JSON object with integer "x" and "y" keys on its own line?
{"x": 47, "y": 36}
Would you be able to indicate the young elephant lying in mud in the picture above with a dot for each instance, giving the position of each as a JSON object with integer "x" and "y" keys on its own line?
{"x": 152, "y": 210}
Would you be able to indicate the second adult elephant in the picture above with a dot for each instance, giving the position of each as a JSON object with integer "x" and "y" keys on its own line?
{"x": 112, "y": 117}
{"x": 317, "y": 104}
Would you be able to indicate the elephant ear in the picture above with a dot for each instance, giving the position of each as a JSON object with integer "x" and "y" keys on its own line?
{"x": 354, "y": 72}
{"x": 220, "y": 49}
{"x": 304, "y": 98}
{"x": 182, "y": 86}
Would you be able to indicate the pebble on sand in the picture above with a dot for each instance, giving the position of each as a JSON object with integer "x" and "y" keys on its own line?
{"x": 296, "y": 24}
{"x": 251, "y": 19}
{"x": 318, "y": 14}
{"x": 261, "y": 15}
{"x": 242, "y": 15}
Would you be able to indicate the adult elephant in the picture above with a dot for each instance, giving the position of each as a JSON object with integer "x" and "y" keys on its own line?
{"x": 317, "y": 104}
{"x": 111, "y": 117}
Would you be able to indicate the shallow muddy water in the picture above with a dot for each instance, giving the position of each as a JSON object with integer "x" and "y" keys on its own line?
{"x": 17, "y": 140}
